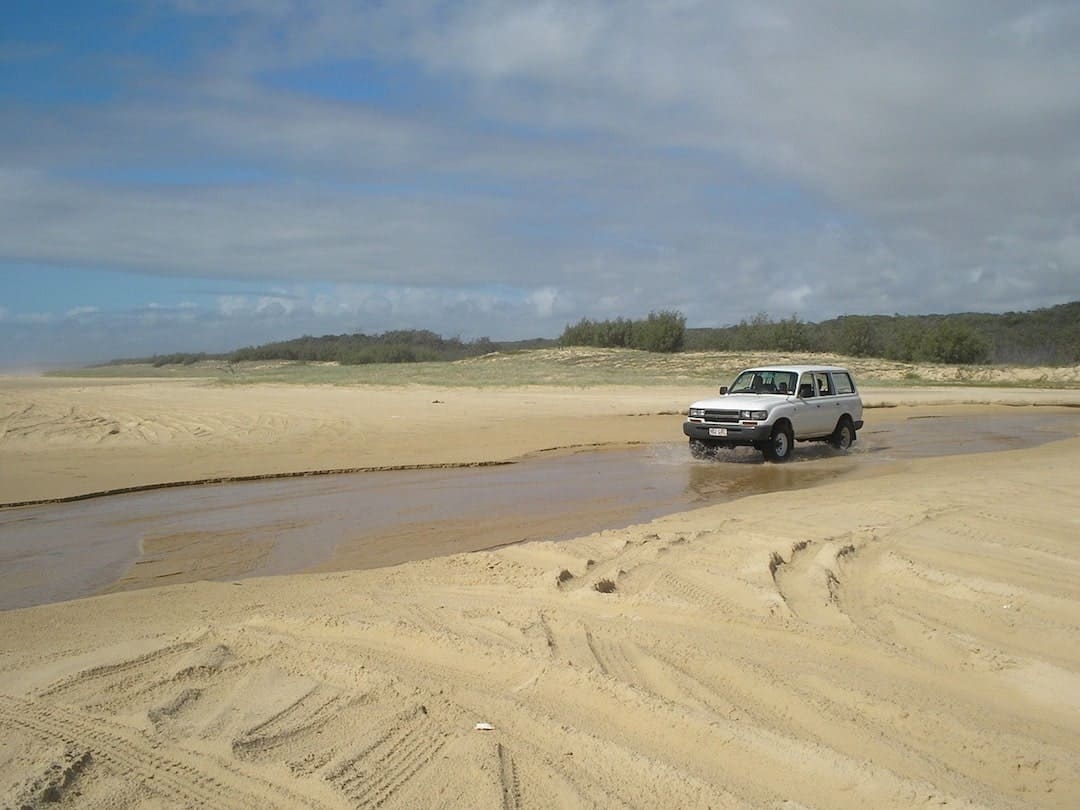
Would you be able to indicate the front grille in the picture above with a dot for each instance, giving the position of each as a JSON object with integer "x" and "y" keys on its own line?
{"x": 723, "y": 417}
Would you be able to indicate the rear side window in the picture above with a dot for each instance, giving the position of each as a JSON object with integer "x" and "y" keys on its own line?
{"x": 842, "y": 383}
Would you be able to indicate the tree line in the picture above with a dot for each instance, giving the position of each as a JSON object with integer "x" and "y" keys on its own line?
{"x": 660, "y": 332}
{"x": 1048, "y": 336}
{"x": 397, "y": 346}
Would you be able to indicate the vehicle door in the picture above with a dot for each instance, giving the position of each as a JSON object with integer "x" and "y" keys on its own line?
{"x": 850, "y": 403}
{"x": 816, "y": 405}
{"x": 830, "y": 404}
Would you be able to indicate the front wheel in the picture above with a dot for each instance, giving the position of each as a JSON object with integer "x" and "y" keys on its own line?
{"x": 698, "y": 449}
{"x": 780, "y": 444}
{"x": 844, "y": 434}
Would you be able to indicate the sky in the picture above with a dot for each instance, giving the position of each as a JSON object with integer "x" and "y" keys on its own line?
{"x": 201, "y": 175}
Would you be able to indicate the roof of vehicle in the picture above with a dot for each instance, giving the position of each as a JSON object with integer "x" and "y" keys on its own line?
{"x": 796, "y": 369}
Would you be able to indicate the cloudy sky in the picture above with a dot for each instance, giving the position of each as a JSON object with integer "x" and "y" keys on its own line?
{"x": 199, "y": 175}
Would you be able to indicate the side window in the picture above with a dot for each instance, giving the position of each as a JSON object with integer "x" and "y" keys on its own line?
{"x": 842, "y": 383}
{"x": 824, "y": 389}
{"x": 806, "y": 386}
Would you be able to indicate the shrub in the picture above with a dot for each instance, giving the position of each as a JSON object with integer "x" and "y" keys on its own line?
{"x": 859, "y": 337}
{"x": 956, "y": 343}
{"x": 659, "y": 332}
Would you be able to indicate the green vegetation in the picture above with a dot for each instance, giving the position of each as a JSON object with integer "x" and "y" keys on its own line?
{"x": 660, "y": 332}
{"x": 961, "y": 349}
{"x": 584, "y": 367}
{"x": 1045, "y": 336}
{"x": 400, "y": 346}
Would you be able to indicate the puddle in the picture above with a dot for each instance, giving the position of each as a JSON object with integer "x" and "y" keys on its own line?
{"x": 337, "y": 522}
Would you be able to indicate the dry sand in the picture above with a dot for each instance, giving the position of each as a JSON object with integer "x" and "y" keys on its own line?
{"x": 906, "y": 639}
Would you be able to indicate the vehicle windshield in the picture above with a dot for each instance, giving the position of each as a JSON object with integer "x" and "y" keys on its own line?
{"x": 764, "y": 382}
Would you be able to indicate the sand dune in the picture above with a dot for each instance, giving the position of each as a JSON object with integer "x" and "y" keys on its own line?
{"x": 906, "y": 639}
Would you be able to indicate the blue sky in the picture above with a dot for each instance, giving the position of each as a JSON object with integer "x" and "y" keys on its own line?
{"x": 198, "y": 175}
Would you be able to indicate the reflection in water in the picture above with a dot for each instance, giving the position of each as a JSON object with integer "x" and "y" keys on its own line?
{"x": 64, "y": 551}
{"x": 713, "y": 481}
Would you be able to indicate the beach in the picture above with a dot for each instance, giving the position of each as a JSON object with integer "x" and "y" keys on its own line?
{"x": 905, "y": 638}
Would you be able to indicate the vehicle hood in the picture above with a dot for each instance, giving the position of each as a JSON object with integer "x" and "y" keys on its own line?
{"x": 742, "y": 402}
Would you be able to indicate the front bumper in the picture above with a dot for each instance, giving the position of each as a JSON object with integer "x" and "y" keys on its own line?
{"x": 736, "y": 434}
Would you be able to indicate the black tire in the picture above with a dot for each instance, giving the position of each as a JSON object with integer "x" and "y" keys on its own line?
{"x": 698, "y": 449}
{"x": 780, "y": 444}
{"x": 844, "y": 434}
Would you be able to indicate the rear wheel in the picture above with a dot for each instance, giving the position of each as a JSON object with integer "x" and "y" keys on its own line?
{"x": 844, "y": 434}
{"x": 781, "y": 443}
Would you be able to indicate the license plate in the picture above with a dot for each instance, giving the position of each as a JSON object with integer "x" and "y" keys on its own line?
{"x": 718, "y": 431}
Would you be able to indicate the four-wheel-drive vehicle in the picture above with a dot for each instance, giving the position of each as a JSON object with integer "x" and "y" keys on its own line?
{"x": 772, "y": 407}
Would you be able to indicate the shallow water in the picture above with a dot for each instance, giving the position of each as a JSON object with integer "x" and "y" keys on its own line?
{"x": 64, "y": 551}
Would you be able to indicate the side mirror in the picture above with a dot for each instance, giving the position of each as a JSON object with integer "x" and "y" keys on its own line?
{"x": 723, "y": 390}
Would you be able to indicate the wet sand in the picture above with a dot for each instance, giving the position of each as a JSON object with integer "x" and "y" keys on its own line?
{"x": 908, "y": 635}
{"x": 54, "y": 552}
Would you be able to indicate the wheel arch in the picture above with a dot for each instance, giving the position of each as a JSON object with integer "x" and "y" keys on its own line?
{"x": 783, "y": 421}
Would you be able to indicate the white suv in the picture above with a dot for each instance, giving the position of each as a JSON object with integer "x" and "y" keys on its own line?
{"x": 772, "y": 407}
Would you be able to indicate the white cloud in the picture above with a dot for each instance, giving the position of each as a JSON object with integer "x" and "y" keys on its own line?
{"x": 507, "y": 40}
{"x": 544, "y": 301}
{"x": 35, "y": 318}
{"x": 229, "y": 305}
{"x": 78, "y": 312}
{"x": 274, "y": 306}
{"x": 789, "y": 299}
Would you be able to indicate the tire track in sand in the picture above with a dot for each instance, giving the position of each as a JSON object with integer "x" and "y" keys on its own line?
{"x": 508, "y": 779}
{"x": 179, "y": 776}
{"x": 371, "y": 778}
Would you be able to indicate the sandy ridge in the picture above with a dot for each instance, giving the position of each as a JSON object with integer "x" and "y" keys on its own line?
{"x": 237, "y": 479}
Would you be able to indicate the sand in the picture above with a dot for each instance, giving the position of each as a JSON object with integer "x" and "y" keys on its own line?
{"x": 910, "y": 638}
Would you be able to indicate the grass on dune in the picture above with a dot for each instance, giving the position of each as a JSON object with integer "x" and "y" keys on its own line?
{"x": 585, "y": 367}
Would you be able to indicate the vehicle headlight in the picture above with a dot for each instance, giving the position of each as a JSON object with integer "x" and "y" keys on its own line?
{"x": 758, "y": 416}
{"x": 697, "y": 411}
